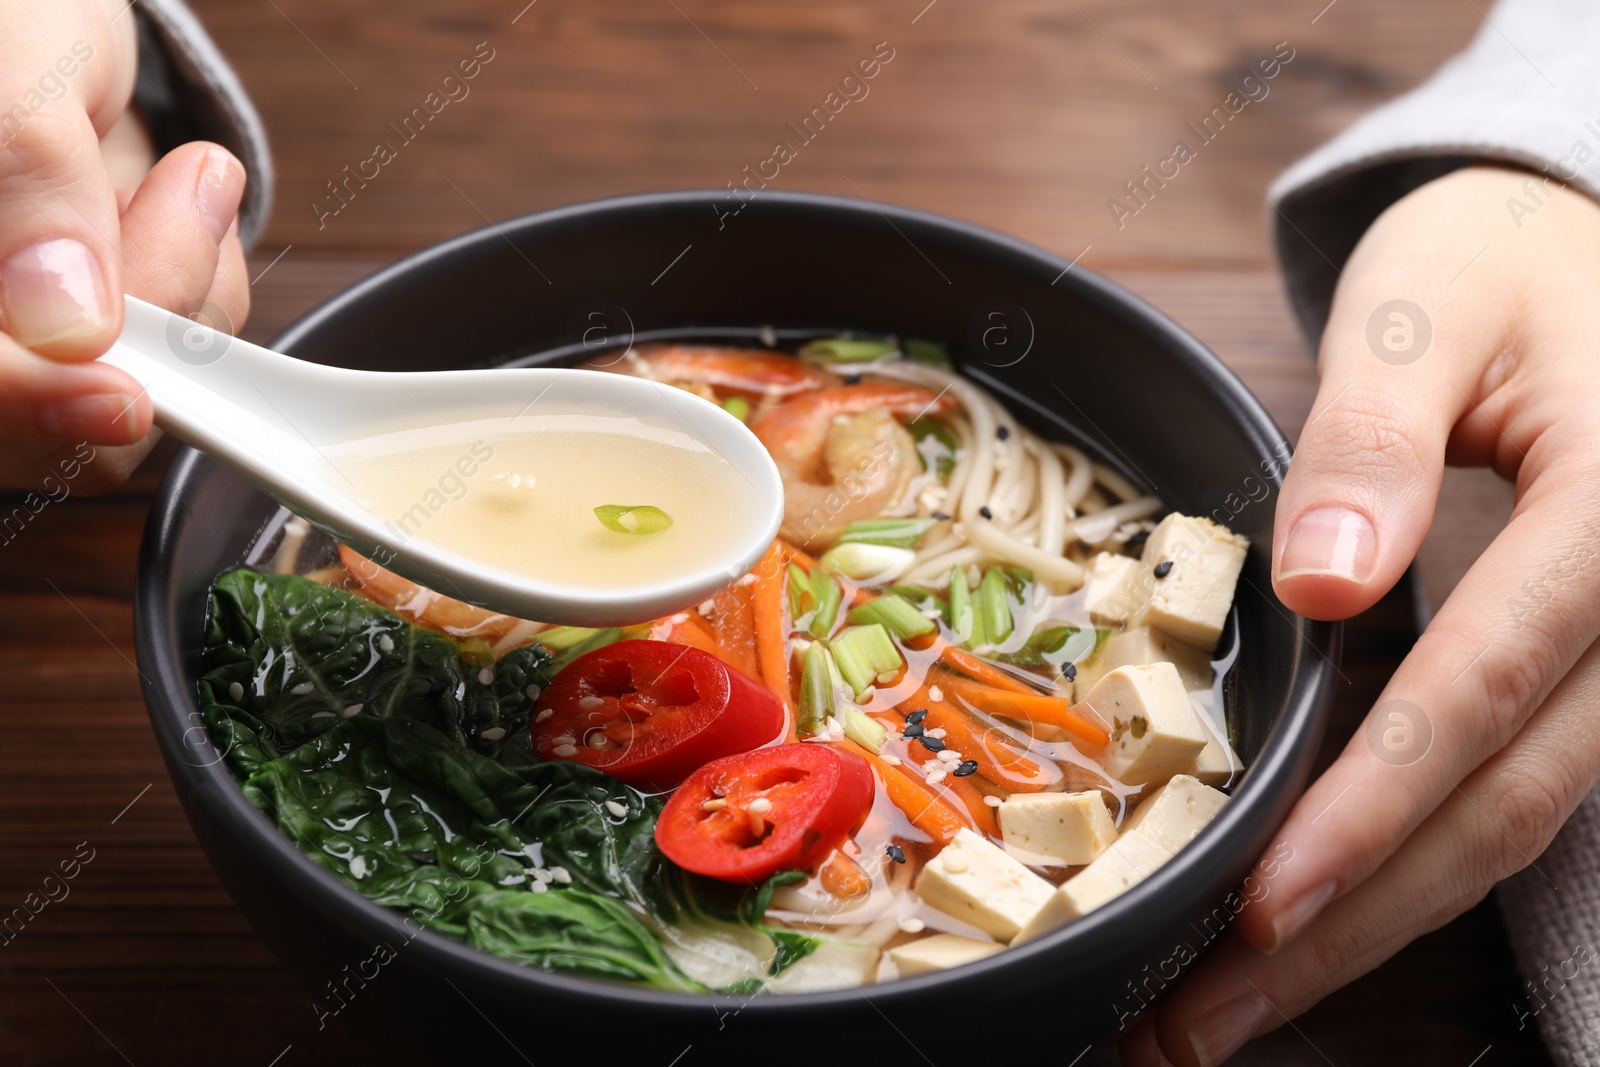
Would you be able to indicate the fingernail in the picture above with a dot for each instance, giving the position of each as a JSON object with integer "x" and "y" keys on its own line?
{"x": 1293, "y": 920}
{"x": 219, "y": 191}
{"x": 86, "y": 418}
{"x": 1219, "y": 1035}
{"x": 53, "y": 291}
{"x": 1335, "y": 542}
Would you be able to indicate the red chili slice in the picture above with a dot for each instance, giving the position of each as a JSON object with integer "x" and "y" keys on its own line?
{"x": 650, "y": 712}
{"x": 746, "y": 817}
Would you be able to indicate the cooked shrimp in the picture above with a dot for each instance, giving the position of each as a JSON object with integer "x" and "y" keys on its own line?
{"x": 749, "y": 372}
{"x": 843, "y": 454}
{"x": 427, "y": 608}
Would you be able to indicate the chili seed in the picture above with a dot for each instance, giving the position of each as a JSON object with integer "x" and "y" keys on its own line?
{"x": 964, "y": 768}
{"x": 985, "y": 512}
{"x": 1069, "y": 671}
{"x": 425, "y": 858}
{"x": 917, "y": 716}
{"x": 913, "y": 729}
{"x": 1002, "y": 432}
{"x": 1163, "y": 568}
{"x": 932, "y": 744}
{"x": 896, "y": 853}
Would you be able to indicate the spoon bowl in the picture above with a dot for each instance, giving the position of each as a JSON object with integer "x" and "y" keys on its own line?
{"x": 281, "y": 421}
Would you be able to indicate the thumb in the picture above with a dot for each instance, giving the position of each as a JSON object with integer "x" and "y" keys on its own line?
{"x": 1360, "y": 493}
{"x": 60, "y": 281}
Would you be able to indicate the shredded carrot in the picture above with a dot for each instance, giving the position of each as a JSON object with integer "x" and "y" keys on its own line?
{"x": 959, "y": 788}
{"x": 926, "y": 811}
{"x": 996, "y": 761}
{"x": 735, "y": 629}
{"x": 769, "y": 611}
{"x": 1054, "y": 711}
{"x": 983, "y": 671}
{"x": 843, "y": 876}
{"x": 692, "y": 631}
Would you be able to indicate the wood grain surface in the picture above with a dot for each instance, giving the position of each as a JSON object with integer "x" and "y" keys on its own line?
{"x": 1024, "y": 116}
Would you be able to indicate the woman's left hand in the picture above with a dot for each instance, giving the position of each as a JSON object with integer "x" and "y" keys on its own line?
{"x": 1463, "y": 330}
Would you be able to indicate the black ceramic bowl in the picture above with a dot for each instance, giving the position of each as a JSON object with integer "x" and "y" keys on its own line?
{"x": 1075, "y": 356}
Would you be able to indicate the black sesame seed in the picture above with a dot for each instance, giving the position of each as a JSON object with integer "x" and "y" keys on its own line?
{"x": 985, "y": 512}
{"x": 965, "y": 767}
{"x": 913, "y": 729}
{"x": 896, "y": 853}
{"x": 425, "y": 858}
{"x": 917, "y": 716}
{"x": 1163, "y": 568}
{"x": 932, "y": 744}
{"x": 1069, "y": 671}
{"x": 1002, "y": 432}
{"x": 1137, "y": 539}
{"x": 939, "y": 516}
{"x": 853, "y": 379}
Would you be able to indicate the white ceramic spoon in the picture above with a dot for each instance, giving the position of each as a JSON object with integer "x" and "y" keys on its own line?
{"x": 271, "y": 417}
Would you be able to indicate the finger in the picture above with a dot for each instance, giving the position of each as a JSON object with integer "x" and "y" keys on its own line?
{"x": 1513, "y": 627}
{"x": 177, "y": 222}
{"x": 56, "y": 403}
{"x": 230, "y": 289}
{"x": 60, "y": 278}
{"x": 1400, "y": 364}
{"x": 1500, "y": 820}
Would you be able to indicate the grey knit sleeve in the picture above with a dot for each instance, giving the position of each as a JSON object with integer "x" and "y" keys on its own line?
{"x": 1526, "y": 93}
{"x": 186, "y": 92}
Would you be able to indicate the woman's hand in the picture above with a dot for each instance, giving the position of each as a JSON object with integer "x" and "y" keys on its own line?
{"x": 84, "y": 218}
{"x": 1464, "y": 330}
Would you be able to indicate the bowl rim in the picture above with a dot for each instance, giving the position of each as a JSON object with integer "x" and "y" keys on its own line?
{"x": 1094, "y": 939}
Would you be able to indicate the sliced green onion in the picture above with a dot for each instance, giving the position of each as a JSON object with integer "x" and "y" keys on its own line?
{"x": 936, "y": 445}
{"x": 993, "y": 613}
{"x": 1020, "y": 578}
{"x": 864, "y": 730}
{"x": 561, "y": 638}
{"x": 919, "y": 598}
{"x": 846, "y": 350}
{"x": 867, "y": 563}
{"x": 963, "y": 620}
{"x": 863, "y": 653}
{"x": 930, "y": 352}
{"x": 598, "y": 639}
{"x": 896, "y": 614}
{"x": 829, "y": 594}
{"x": 816, "y": 691}
{"x": 738, "y": 407}
{"x": 801, "y": 597}
{"x": 896, "y": 533}
{"x": 632, "y": 519}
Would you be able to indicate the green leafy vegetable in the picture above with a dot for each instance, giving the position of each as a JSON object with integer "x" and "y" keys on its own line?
{"x": 936, "y": 445}
{"x": 1055, "y": 645}
{"x": 633, "y": 518}
{"x": 846, "y": 350}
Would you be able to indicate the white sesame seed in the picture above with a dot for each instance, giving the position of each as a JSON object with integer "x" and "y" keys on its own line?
{"x": 590, "y": 702}
{"x": 539, "y": 887}
{"x": 352, "y": 710}
{"x": 937, "y": 731}
{"x": 932, "y": 613}
{"x": 934, "y": 692}
{"x": 322, "y": 715}
{"x": 493, "y": 733}
{"x": 302, "y": 689}
{"x": 358, "y": 867}
{"x": 893, "y": 761}
{"x": 564, "y": 751}
{"x": 533, "y": 692}
{"x": 913, "y": 925}
{"x": 935, "y": 777}
{"x": 679, "y": 619}
{"x": 619, "y": 810}
{"x": 993, "y": 801}
{"x": 707, "y": 607}
{"x": 545, "y": 714}
{"x": 950, "y": 756}
{"x": 235, "y": 692}
{"x": 759, "y": 804}
{"x": 560, "y": 875}
{"x": 485, "y": 676}
{"x": 385, "y": 643}
{"x": 539, "y": 874}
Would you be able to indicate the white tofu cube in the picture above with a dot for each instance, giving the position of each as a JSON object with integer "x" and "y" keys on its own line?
{"x": 1073, "y": 828}
{"x": 1145, "y": 644}
{"x": 1111, "y": 589}
{"x": 1217, "y": 763}
{"x": 1190, "y": 598}
{"x": 975, "y": 881}
{"x": 939, "y": 952}
{"x": 1175, "y": 813}
{"x": 1155, "y": 730}
{"x": 1130, "y": 860}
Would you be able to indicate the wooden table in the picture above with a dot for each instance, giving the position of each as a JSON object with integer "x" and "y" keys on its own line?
{"x": 1023, "y": 116}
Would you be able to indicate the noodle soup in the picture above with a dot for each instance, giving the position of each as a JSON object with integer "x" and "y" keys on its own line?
{"x": 969, "y": 696}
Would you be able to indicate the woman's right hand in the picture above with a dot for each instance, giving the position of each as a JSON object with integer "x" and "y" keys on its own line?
{"x": 87, "y": 214}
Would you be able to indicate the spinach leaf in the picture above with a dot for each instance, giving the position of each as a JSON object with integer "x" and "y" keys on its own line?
{"x": 1055, "y": 645}
{"x": 682, "y": 897}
